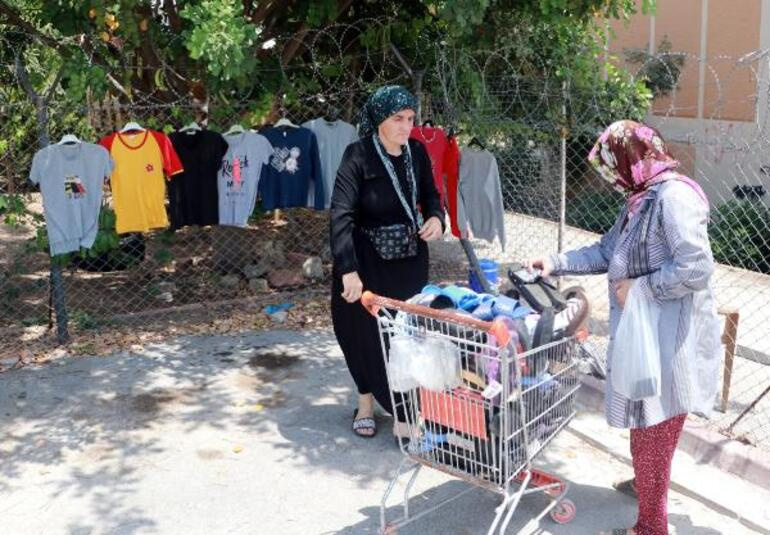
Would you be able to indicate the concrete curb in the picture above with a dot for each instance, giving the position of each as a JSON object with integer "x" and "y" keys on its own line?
{"x": 705, "y": 445}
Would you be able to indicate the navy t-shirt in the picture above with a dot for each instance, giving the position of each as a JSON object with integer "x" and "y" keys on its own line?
{"x": 294, "y": 167}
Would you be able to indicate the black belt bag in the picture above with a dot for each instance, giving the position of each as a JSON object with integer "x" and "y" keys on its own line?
{"x": 393, "y": 242}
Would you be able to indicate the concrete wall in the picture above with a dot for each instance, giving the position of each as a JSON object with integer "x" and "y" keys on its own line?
{"x": 715, "y": 118}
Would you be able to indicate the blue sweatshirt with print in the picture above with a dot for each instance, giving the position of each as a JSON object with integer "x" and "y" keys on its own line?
{"x": 295, "y": 163}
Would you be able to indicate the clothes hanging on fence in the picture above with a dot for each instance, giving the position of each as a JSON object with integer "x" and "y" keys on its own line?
{"x": 193, "y": 197}
{"x": 138, "y": 187}
{"x": 333, "y": 138}
{"x": 444, "y": 158}
{"x": 71, "y": 179}
{"x": 480, "y": 203}
{"x": 294, "y": 165}
{"x": 240, "y": 175}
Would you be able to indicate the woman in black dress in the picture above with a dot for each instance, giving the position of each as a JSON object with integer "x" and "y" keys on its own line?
{"x": 381, "y": 181}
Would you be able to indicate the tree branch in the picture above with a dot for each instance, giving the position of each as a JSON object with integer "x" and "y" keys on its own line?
{"x": 22, "y": 76}
{"x": 401, "y": 60}
{"x": 15, "y": 19}
{"x": 89, "y": 50}
{"x": 55, "y": 84}
{"x": 291, "y": 49}
{"x": 169, "y": 6}
{"x": 263, "y": 11}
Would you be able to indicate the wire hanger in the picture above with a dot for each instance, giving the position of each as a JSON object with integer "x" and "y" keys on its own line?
{"x": 191, "y": 128}
{"x": 68, "y": 138}
{"x": 131, "y": 126}
{"x": 332, "y": 113}
{"x": 283, "y": 121}
{"x": 475, "y": 141}
{"x": 235, "y": 129}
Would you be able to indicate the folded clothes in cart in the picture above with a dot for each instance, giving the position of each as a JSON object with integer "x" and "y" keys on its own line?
{"x": 536, "y": 330}
{"x": 453, "y": 296}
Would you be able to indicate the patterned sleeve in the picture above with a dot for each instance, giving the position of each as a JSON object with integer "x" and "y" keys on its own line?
{"x": 684, "y": 219}
{"x": 590, "y": 260}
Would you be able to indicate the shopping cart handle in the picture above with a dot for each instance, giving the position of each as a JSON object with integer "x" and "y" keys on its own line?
{"x": 373, "y": 303}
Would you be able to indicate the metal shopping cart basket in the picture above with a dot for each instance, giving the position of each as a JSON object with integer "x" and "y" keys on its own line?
{"x": 477, "y": 407}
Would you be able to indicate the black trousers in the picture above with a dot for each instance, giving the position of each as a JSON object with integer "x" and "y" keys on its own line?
{"x": 356, "y": 329}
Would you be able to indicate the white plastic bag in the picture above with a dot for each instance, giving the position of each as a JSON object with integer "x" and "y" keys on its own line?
{"x": 635, "y": 361}
{"x": 399, "y": 363}
{"x": 435, "y": 364}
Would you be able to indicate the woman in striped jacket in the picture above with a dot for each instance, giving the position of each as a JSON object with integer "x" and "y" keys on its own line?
{"x": 660, "y": 240}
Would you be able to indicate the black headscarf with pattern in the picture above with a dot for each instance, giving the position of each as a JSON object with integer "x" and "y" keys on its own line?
{"x": 384, "y": 102}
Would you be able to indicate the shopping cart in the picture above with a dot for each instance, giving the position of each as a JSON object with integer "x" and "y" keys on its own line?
{"x": 488, "y": 409}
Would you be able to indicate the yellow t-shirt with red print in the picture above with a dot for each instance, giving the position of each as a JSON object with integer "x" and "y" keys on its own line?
{"x": 137, "y": 182}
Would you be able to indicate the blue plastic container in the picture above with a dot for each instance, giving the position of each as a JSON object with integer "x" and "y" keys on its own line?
{"x": 489, "y": 268}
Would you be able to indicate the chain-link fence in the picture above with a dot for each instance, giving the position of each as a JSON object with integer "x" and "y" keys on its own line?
{"x": 539, "y": 128}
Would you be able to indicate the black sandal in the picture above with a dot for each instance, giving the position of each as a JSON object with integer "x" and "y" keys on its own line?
{"x": 363, "y": 423}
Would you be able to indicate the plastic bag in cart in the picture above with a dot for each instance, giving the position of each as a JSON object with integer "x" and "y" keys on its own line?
{"x": 435, "y": 363}
{"x": 402, "y": 347}
{"x": 635, "y": 362}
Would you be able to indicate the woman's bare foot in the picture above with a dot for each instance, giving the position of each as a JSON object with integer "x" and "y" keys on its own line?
{"x": 400, "y": 429}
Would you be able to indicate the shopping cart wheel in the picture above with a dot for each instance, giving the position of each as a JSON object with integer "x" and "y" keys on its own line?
{"x": 564, "y": 511}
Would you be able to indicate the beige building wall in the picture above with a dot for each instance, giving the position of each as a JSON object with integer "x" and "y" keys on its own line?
{"x": 733, "y": 30}
{"x": 703, "y": 30}
{"x": 717, "y": 120}
{"x": 680, "y": 22}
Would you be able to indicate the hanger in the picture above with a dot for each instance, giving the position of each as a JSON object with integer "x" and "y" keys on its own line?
{"x": 475, "y": 141}
{"x": 131, "y": 126}
{"x": 283, "y": 121}
{"x": 68, "y": 138}
{"x": 235, "y": 129}
{"x": 332, "y": 113}
{"x": 191, "y": 128}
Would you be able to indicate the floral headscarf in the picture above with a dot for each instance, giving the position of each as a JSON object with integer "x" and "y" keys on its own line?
{"x": 633, "y": 157}
{"x": 383, "y": 103}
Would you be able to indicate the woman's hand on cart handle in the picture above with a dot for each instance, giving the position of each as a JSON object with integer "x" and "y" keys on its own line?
{"x": 544, "y": 264}
{"x": 352, "y": 287}
{"x": 431, "y": 230}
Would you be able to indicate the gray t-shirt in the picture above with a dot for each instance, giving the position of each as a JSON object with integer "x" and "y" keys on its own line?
{"x": 238, "y": 177}
{"x": 71, "y": 179}
{"x": 480, "y": 202}
{"x": 333, "y": 138}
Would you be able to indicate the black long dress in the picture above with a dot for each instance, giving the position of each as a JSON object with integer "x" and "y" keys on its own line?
{"x": 364, "y": 196}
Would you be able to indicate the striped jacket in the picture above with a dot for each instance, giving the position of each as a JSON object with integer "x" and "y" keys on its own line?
{"x": 665, "y": 245}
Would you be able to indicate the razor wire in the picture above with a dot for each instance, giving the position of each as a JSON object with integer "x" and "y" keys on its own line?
{"x": 539, "y": 128}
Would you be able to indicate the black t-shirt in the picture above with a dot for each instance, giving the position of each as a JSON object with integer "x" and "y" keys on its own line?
{"x": 193, "y": 196}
